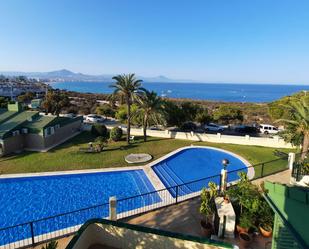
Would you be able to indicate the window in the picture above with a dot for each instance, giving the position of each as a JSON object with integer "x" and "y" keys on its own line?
{"x": 24, "y": 131}
{"x": 46, "y": 132}
{"x": 15, "y": 133}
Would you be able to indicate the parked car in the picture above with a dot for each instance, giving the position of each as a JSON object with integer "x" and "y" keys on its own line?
{"x": 68, "y": 115}
{"x": 247, "y": 129}
{"x": 213, "y": 127}
{"x": 268, "y": 129}
{"x": 93, "y": 118}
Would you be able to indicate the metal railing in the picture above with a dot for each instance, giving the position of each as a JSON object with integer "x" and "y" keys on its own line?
{"x": 298, "y": 170}
{"x": 54, "y": 227}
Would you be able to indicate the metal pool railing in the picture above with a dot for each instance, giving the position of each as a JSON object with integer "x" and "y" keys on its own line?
{"x": 54, "y": 227}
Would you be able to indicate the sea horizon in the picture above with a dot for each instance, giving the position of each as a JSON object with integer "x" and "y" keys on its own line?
{"x": 227, "y": 92}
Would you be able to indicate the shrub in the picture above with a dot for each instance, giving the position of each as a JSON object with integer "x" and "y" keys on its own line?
{"x": 100, "y": 143}
{"x": 189, "y": 126}
{"x": 303, "y": 167}
{"x": 116, "y": 134}
{"x": 99, "y": 130}
{"x": 208, "y": 196}
{"x": 51, "y": 245}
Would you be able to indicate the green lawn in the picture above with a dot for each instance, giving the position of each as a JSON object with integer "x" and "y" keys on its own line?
{"x": 68, "y": 157}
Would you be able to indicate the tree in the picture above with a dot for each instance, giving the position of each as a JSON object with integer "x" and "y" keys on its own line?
{"x": 203, "y": 117}
{"x": 150, "y": 105}
{"x": 190, "y": 111}
{"x": 55, "y": 101}
{"x": 4, "y": 101}
{"x": 225, "y": 114}
{"x": 136, "y": 115}
{"x": 173, "y": 114}
{"x": 116, "y": 134}
{"x": 105, "y": 110}
{"x": 99, "y": 130}
{"x": 297, "y": 126}
{"x": 127, "y": 86}
{"x": 27, "y": 97}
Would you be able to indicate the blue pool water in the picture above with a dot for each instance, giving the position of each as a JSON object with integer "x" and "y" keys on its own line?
{"x": 194, "y": 164}
{"x": 32, "y": 198}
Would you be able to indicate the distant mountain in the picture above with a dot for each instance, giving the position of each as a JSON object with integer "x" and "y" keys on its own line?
{"x": 67, "y": 75}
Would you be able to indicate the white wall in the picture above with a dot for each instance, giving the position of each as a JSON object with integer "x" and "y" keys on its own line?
{"x": 275, "y": 142}
{"x": 120, "y": 237}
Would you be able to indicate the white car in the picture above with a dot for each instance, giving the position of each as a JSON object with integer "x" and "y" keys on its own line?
{"x": 93, "y": 118}
{"x": 268, "y": 129}
{"x": 213, "y": 127}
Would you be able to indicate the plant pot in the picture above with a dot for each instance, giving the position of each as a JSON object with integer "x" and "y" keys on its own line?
{"x": 226, "y": 200}
{"x": 206, "y": 228}
{"x": 266, "y": 231}
{"x": 245, "y": 240}
{"x": 242, "y": 229}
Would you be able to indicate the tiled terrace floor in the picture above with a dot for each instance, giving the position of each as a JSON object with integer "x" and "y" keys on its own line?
{"x": 185, "y": 217}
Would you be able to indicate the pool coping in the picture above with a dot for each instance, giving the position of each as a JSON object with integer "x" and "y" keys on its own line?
{"x": 159, "y": 184}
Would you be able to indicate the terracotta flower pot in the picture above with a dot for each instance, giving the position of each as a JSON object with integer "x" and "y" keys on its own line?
{"x": 245, "y": 240}
{"x": 266, "y": 231}
{"x": 206, "y": 228}
{"x": 242, "y": 229}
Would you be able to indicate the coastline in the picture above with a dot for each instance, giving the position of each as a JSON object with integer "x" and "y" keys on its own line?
{"x": 209, "y": 92}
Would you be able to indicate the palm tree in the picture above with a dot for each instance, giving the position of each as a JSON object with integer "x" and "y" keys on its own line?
{"x": 151, "y": 107}
{"x": 297, "y": 130}
{"x": 127, "y": 86}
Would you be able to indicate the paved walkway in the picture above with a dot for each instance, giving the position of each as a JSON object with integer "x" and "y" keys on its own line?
{"x": 281, "y": 177}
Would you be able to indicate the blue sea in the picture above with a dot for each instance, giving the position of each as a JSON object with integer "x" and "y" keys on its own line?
{"x": 203, "y": 91}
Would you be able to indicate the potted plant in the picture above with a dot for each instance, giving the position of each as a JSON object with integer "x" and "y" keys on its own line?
{"x": 245, "y": 239}
{"x": 205, "y": 209}
{"x": 266, "y": 230}
{"x": 245, "y": 223}
{"x": 266, "y": 220}
{"x": 208, "y": 208}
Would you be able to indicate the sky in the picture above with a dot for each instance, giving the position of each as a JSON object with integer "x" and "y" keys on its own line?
{"x": 242, "y": 41}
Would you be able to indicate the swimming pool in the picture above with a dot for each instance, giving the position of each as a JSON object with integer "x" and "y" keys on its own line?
{"x": 35, "y": 198}
{"x": 27, "y": 199}
{"x": 188, "y": 165}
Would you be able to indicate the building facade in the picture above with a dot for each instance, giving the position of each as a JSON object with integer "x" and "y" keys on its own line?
{"x": 29, "y": 130}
